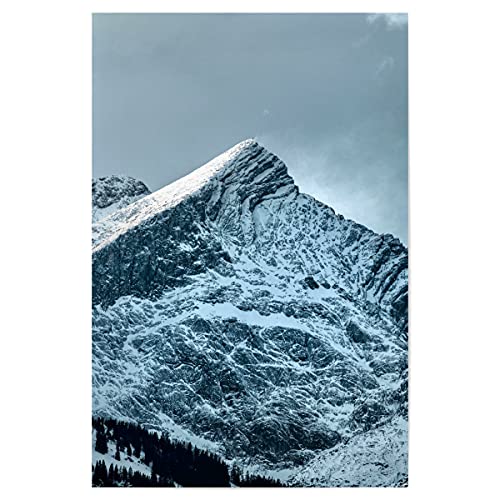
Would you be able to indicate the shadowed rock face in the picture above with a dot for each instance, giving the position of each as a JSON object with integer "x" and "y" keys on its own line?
{"x": 230, "y": 307}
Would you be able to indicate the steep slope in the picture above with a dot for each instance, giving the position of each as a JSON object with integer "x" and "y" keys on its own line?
{"x": 232, "y": 310}
{"x": 114, "y": 192}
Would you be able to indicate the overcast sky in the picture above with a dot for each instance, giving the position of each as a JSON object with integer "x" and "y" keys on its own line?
{"x": 326, "y": 93}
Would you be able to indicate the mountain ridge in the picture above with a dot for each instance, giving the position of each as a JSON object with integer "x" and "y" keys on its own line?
{"x": 220, "y": 170}
{"x": 221, "y": 198}
{"x": 222, "y": 167}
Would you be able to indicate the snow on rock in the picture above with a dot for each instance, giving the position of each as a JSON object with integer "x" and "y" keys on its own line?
{"x": 113, "y": 193}
{"x": 378, "y": 457}
{"x": 232, "y": 306}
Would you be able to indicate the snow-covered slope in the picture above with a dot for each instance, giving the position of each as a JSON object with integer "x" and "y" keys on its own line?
{"x": 231, "y": 309}
{"x": 136, "y": 464}
{"x": 114, "y": 192}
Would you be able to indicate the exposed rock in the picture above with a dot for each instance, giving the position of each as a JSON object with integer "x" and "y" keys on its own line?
{"x": 113, "y": 193}
{"x": 311, "y": 282}
{"x": 356, "y": 333}
{"x": 203, "y": 326}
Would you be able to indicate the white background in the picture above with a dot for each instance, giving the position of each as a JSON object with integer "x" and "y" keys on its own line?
{"x": 45, "y": 119}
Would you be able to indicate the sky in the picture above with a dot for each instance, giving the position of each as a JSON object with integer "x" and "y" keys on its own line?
{"x": 327, "y": 93}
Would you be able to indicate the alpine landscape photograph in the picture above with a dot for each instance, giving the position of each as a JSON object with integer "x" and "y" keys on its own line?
{"x": 250, "y": 250}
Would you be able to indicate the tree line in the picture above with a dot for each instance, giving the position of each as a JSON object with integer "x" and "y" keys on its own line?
{"x": 170, "y": 462}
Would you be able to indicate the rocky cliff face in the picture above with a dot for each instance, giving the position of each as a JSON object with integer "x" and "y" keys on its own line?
{"x": 114, "y": 192}
{"x": 237, "y": 312}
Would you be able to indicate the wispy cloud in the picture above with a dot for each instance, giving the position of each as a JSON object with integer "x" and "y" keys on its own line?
{"x": 392, "y": 21}
{"x": 386, "y": 64}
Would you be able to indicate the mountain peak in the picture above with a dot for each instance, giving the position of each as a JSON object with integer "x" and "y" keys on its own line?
{"x": 247, "y": 172}
{"x": 241, "y": 156}
{"x": 230, "y": 301}
{"x": 246, "y": 143}
{"x": 109, "y": 189}
{"x": 114, "y": 192}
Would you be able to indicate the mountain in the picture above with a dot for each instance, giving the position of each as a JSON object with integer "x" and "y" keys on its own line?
{"x": 237, "y": 313}
{"x": 114, "y": 192}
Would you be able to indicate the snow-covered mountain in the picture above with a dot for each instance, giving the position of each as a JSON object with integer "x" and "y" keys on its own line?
{"x": 237, "y": 313}
{"x": 114, "y": 192}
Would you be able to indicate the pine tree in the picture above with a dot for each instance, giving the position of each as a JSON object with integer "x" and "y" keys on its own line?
{"x": 124, "y": 475}
{"x": 235, "y": 475}
{"x": 117, "y": 453}
{"x": 100, "y": 477}
{"x": 101, "y": 443}
{"x": 137, "y": 450}
{"x": 118, "y": 476}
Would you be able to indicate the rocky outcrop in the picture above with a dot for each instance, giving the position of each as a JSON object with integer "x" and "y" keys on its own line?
{"x": 114, "y": 192}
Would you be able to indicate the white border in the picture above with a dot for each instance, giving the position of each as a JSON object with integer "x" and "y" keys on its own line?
{"x": 46, "y": 160}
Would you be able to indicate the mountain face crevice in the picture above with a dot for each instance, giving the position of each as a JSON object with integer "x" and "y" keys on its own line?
{"x": 231, "y": 308}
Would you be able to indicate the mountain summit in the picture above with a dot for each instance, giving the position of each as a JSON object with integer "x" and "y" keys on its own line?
{"x": 239, "y": 314}
{"x": 247, "y": 165}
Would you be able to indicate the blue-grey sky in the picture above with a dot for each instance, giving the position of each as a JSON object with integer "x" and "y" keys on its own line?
{"x": 327, "y": 93}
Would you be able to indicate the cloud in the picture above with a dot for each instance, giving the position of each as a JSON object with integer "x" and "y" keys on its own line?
{"x": 392, "y": 21}
{"x": 363, "y": 40}
{"x": 384, "y": 66}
